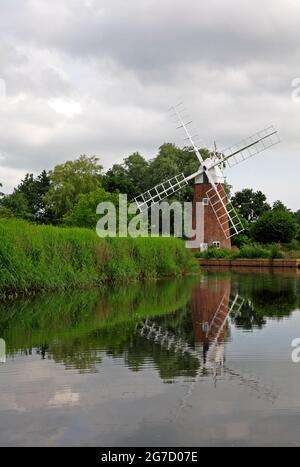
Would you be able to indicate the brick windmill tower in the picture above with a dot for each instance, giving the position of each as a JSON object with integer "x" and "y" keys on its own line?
{"x": 217, "y": 228}
{"x": 221, "y": 221}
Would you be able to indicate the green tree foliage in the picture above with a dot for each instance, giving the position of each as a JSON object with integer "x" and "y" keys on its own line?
{"x": 279, "y": 206}
{"x": 250, "y": 204}
{"x": 172, "y": 161}
{"x": 131, "y": 178}
{"x": 28, "y": 188}
{"x": 297, "y": 216}
{"x": 28, "y": 199}
{"x": 16, "y": 205}
{"x": 166, "y": 164}
{"x": 69, "y": 181}
{"x": 274, "y": 227}
{"x": 116, "y": 181}
{"x": 84, "y": 214}
{"x": 34, "y": 191}
{"x": 5, "y": 212}
{"x": 137, "y": 171}
{"x": 136, "y": 175}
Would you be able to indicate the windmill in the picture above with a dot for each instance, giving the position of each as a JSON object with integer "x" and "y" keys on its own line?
{"x": 221, "y": 220}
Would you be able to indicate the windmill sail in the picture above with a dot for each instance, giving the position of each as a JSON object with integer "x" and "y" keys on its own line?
{"x": 223, "y": 209}
{"x": 161, "y": 191}
{"x": 178, "y": 114}
{"x": 225, "y": 213}
{"x": 250, "y": 147}
{"x": 222, "y": 315}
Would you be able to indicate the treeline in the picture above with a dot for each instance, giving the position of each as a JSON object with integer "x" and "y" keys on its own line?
{"x": 70, "y": 193}
{"x": 53, "y": 197}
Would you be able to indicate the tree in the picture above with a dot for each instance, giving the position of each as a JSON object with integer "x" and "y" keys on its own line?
{"x": 116, "y": 180}
{"x": 250, "y": 204}
{"x": 69, "y": 181}
{"x": 136, "y": 175}
{"x": 297, "y": 216}
{"x": 137, "y": 169}
{"x": 5, "y": 212}
{"x": 165, "y": 165}
{"x": 84, "y": 214}
{"x": 275, "y": 226}
{"x": 43, "y": 184}
{"x": 279, "y": 206}
{"x": 130, "y": 178}
{"x": 17, "y": 205}
{"x": 34, "y": 191}
{"x": 172, "y": 161}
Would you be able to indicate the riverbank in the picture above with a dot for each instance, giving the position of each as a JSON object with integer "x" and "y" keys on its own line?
{"x": 250, "y": 263}
{"x": 45, "y": 258}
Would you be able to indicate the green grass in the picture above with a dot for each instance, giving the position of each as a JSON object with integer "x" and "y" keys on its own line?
{"x": 291, "y": 250}
{"x": 246, "y": 252}
{"x": 35, "y": 258}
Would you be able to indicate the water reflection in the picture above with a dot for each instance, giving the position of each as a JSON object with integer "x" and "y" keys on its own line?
{"x": 75, "y": 328}
{"x": 151, "y": 352}
{"x": 213, "y": 306}
{"x": 181, "y": 326}
{"x": 198, "y": 345}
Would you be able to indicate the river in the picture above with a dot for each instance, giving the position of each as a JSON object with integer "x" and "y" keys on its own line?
{"x": 198, "y": 361}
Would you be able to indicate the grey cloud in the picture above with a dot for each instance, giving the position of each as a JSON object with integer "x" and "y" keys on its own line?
{"x": 125, "y": 63}
{"x": 48, "y": 83}
{"x": 144, "y": 35}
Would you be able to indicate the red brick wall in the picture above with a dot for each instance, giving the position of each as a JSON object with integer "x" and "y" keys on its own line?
{"x": 212, "y": 229}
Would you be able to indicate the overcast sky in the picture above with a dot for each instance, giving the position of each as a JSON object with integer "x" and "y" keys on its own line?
{"x": 98, "y": 76}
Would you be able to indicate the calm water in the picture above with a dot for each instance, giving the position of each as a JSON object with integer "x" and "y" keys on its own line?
{"x": 200, "y": 361}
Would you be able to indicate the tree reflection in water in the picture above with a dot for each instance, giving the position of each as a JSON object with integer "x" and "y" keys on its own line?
{"x": 194, "y": 314}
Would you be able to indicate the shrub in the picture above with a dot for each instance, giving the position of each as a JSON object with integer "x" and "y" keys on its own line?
{"x": 254, "y": 252}
{"x": 276, "y": 252}
{"x": 241, "y": 240}
{"x": 292, "y": 246}
{"x": 275, "y": 227}
{"x": 246, "y": 252}
{"x": 215, "y": 253}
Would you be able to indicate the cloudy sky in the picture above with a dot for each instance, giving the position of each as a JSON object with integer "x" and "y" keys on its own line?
{"x": 98, "y": 76}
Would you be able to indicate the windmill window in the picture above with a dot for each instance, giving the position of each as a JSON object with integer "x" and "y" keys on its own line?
{"x": 217, "y": 245}
{"x": 205, "y": 201}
